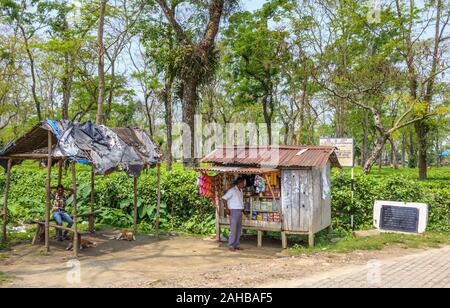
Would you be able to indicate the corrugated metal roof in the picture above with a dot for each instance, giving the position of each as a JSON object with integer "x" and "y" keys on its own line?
{"x": 240, "y": 170}
{"x": 274, "y": 156}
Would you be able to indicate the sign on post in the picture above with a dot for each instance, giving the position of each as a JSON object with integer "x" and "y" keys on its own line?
{"x": 344, "y": 150}
{"x": 400, "y": 216}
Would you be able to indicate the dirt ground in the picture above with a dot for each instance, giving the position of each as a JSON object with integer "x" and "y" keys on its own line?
{"x": 172, "y": 262}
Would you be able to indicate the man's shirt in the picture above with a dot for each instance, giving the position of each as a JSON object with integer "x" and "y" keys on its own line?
{"x": 234, "y": 198}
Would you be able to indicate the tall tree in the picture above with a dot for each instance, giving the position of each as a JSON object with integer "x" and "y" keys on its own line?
{"x": 198, "y": 59}
{"x": 423, "y": 72}
{"x": 100, "y": 119}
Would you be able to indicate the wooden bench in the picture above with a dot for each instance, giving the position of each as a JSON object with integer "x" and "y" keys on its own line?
{"x": 40, "y": 230}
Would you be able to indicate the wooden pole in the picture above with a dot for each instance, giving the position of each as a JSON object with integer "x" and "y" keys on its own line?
{"x": 60, "y": 166}
{"x": 92, "y": 217}
{"x": 48, "y": 187}
{"x": 135, "y": 203}
{"x": 158, "y": 200}
{"x": 270, "y": 187}
{"x": 74, "y": 210}
{"x": 217, "y": 205}
{"x": 5, "y": 205}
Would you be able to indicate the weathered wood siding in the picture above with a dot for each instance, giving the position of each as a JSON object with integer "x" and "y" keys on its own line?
{"x": 297, "y": 200}
{"x": 303, "y": 207}
{"x": 326, "y": 203}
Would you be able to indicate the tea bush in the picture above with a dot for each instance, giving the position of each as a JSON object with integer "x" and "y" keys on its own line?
{"x": 183, "y": 209}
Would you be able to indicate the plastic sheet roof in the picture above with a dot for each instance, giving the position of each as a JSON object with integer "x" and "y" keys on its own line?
{"x": 107, "y": 149}
{"x": 273, "y": 156}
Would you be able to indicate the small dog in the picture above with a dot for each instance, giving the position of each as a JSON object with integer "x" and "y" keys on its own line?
{"x": 84, "y": 244}
{"x": 126, "y": 235}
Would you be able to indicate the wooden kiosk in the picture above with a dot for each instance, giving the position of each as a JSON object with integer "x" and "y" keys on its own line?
{"x": 39, "y": 145}
{"x": 300, "y": 195}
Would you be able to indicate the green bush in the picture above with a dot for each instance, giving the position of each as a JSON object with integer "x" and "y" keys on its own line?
{"x": 183, "y": 209}
{"x": 367, "y": 189}
{"x": 181, "y": 205}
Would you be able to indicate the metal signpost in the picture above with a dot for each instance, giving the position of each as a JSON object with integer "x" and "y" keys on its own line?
{"x": 345, "y": 155}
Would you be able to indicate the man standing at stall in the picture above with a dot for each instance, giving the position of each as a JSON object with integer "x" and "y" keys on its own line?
{"x": 233, "y": 202}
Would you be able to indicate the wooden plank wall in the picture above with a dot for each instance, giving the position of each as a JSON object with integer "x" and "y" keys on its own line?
{"x": 297, "y": 200}
{"x": 306, "y": 200}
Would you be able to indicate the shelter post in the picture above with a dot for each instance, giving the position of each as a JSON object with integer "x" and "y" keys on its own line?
{"x": 158, "y": 200}
{"x": 5, "y": 204}
{"x": 135, "y": 201}
{"x": 48, "y": 188}
{"x": 75, "y": 210}
{"x": 92, "y": 217}
{"x": 60, "y": 166}
{"x": 217, "y": 205}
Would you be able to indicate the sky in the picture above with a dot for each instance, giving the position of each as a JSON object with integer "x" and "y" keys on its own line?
{"x": 253, "y": 5}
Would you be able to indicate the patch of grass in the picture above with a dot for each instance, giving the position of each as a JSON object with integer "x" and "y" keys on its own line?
{"x": 5, "y": 278}
{"x": 350, "y": 243}
{"x": 16, "y": 238}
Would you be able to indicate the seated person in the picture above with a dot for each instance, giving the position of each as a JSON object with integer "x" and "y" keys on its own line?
{"x": 59, "y": 213}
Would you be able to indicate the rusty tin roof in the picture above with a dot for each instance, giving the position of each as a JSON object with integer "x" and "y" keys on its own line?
{"x": 273, "y": 156}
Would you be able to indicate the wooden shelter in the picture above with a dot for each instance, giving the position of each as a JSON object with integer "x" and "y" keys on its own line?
{"x": 298, "y": 187}
{"x": 41, "y": 144}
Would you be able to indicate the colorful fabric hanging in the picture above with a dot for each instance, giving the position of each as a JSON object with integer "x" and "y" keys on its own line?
{"x": 208, "y": 185}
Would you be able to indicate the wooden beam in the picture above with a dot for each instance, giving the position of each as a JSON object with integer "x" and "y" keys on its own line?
{"x": 48, "y": 189}
{"x": 92, "y": 218}
{"x": 158, "y": 200}
{"x": 30, "y": 156}
{"x": 135, "y": 201}
{"x": 74, "y": 210}
{"x": 5, "y": 204}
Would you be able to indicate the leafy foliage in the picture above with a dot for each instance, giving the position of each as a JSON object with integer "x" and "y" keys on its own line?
{"x": 183, "y": 209}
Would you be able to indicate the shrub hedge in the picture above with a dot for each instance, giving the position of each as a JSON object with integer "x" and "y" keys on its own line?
{"x": 183, "y": 209}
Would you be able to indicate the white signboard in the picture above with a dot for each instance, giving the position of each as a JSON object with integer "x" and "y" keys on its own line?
{"x": 401, "y": 217}
{"x": 344, "y": 150}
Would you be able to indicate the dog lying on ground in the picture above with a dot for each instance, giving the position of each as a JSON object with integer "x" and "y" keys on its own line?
{"x": 126, "y": 235}
{"x": 83, "y": 244}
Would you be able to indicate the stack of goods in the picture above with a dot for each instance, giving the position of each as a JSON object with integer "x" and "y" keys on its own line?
{"x": 259, "y": 184}
{"x": 276, "y": 217}
{"x": 276, "y": 192}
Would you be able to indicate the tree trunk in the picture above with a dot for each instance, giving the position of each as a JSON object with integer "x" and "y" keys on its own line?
{"x": 101, "y": 63}
{"x": 111, "y": 89}
{"x": 148, "y": 111}
{"x": 365, "y": 138}
{"x": 422, "y": 134}
{"x": 37, "y": 102}
{"x": 412, "y": 155}
{"x": 66, "y": 87}
{"x": 302, "y": 114}
{"x": 167, "y": 98}
{"x": 394, "y": 159}
{"x": 190, "y": 85}
{"x": 376, "y": 153}
{"x": 339, "y": 119}
{"x": 403, "y": 150}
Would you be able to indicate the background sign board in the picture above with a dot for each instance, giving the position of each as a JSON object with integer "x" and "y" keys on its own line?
{"x": 344, "y": 151}
{"x": 400, "y": 216}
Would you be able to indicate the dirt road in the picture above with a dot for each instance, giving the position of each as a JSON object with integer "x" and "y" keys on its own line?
{"x": 173, "y": 262}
